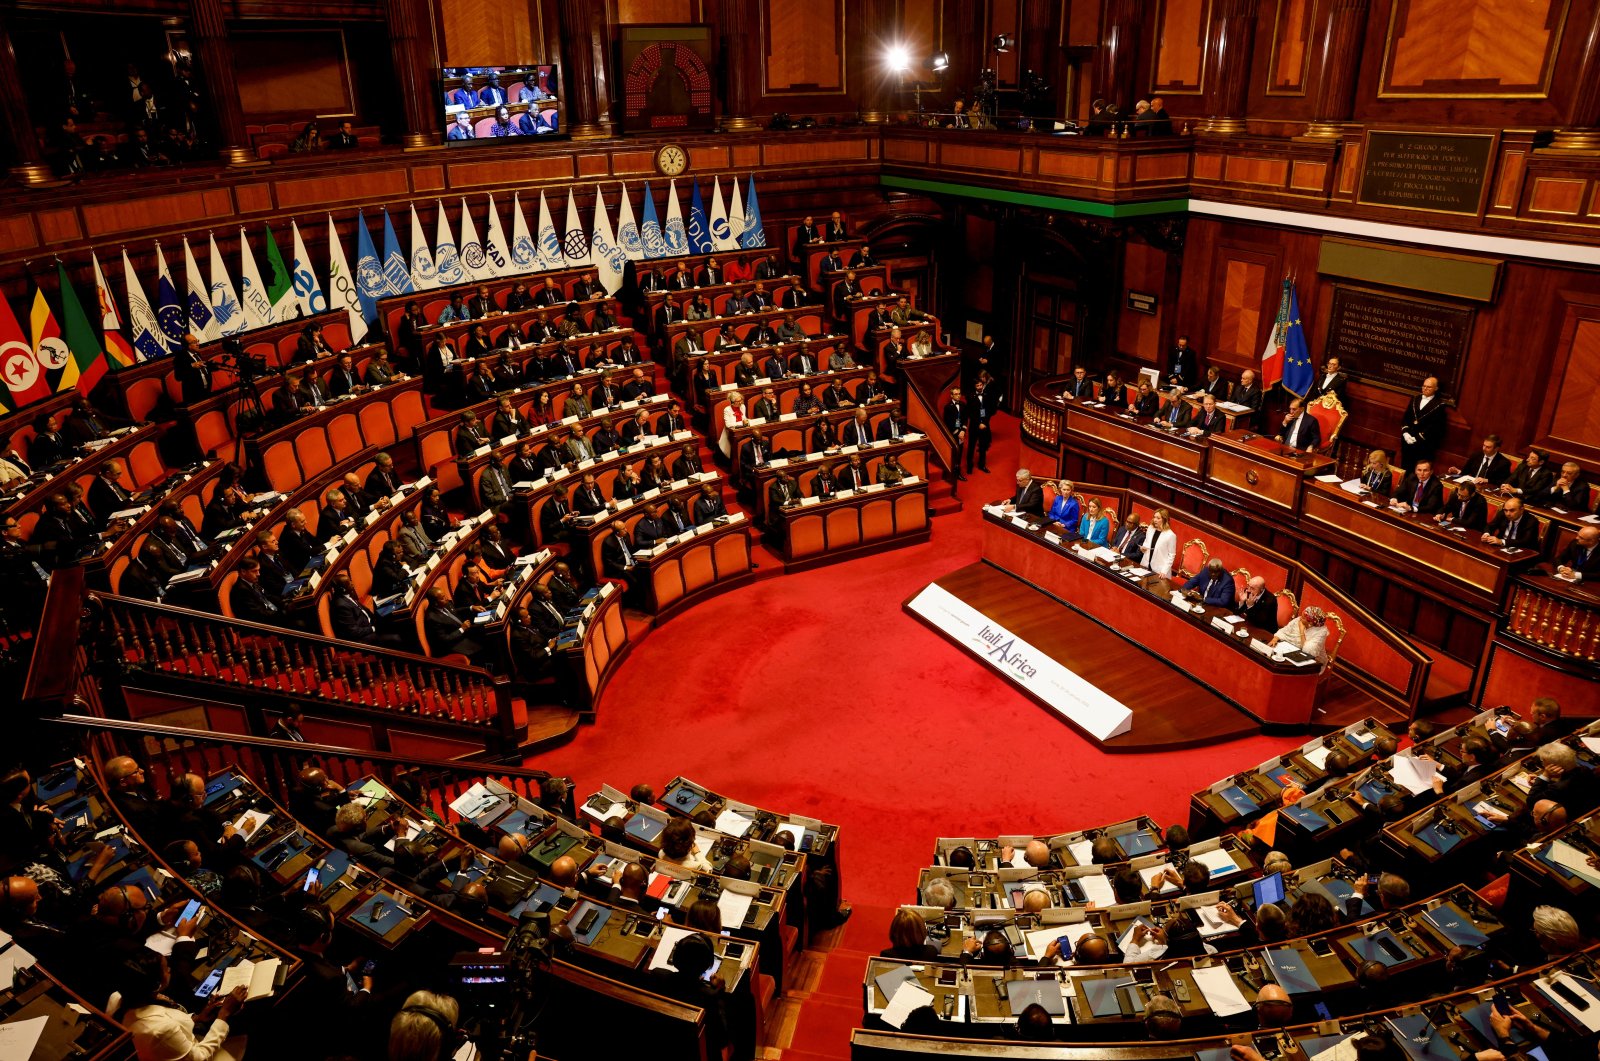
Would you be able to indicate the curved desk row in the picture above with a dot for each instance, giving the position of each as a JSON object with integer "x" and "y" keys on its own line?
{"x": 834, "y": 528}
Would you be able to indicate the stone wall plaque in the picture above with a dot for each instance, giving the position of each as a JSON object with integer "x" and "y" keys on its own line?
{"x": 1439, "y": 172}
{"x": 1397, "y": 342}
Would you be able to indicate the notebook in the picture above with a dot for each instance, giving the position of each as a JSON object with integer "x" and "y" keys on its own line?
{"x": 643, "y": 827}
{"x": 1137, "y": 843}
{"x": 1309, "y": 820}
{"x": 1046, "y": 993}
{"x": 1105, "y": 996}
{"x": 1289, "y": 969}
{"x": 683, "y": 799}
{"x": 1236, "y": 798}
{"x": 889, "y": 982}
{"x": 1455, "y": 926}
{"x": 1437, "y": 838}
{"x": 1381, "y": 946}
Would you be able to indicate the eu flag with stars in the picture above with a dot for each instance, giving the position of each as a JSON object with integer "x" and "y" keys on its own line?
{"x": 1297, "y": 372}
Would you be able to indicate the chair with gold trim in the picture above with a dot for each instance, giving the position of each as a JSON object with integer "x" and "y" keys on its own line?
{"x": 1241, "y": 579}
{"x": 1185, "y": 568}
{"x": 1330, "y": 415}
{"x": 1288, "y": 606}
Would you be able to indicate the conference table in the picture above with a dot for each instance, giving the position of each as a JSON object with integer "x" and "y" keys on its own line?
{"x": 1215, "y": 648}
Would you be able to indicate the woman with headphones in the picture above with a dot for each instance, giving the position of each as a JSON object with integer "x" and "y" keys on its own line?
{"x": 162, "y": 1029}
{"x": 425, "y": 1029}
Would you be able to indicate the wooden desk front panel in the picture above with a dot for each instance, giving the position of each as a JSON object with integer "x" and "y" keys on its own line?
{"x": 1142, "y": 445}
{"x": 838, "y": 526}
{"x": 1416, "y": 546}
{"x": 689, "y": 568}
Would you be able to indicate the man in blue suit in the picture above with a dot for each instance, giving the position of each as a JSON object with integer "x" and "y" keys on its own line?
{"x": 1300, "y": 429}
{"x": 466, "y": 95}
{"x": 1213, "y": 586}
{"x": 462, "y": 129}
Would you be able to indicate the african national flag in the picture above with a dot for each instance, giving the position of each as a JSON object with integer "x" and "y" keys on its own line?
{"x": 48, "y": 346}
{"x": 117, "y": 347}
{"x": 88, "y": 362}
{"x": 18, "y": 364}
{"x": 280, "y": 284}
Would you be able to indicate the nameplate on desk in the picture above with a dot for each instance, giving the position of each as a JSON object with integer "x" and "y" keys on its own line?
{"x": 756, "y": 421}
{"x": 481, "y": 450}
{"x": 371, "y": 518}
{"x": 1257, "y": 645}
{"x": 680, "y": 436}
{"x": 349, "y": 535}
{"x": 433, "y": 561}
{"x": 629, "y": 405}
{"x": 872, "y": 488}
{"x": 1371, "y": 504}
{"x": 648, "y": 494}
{"x": 736, "y": 517}
{"x": 808, "y": 501}
{"x": 623, "y": 504}
{"x": 570, "y": 419}
{"x": 847, "y": 450}
{"x": 1020, "y": 522}
{"x": 658, "y": 550}
{"x": 1065, "y": 692}
{"x": 763, "y": 381}
{"x": 561, "y": 472}
{"x": 538, "y": 429}
{"x": 507, "y": 440}
{"x": 728, "y": 387}
{"x": 778, "y": 462}
{"x": 587, "y": 462}
{"x": 1222, "y": 624}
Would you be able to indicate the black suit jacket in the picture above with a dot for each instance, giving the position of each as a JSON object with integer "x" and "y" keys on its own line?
{"x": 1335, "y": 387}
{"x": 1588, "y": 567}
{"x": 1496, "y": 470}
{"x": 351, "y": 621}
{"x": 1526, "y": 535}
{"x": 1029, "y": 498}
{"x": 1472, "y": 513}
{"x": 1263, "y": 613}
{"x": 1426, "y": 426}
{"x": 106, "y": 497}
{"x": 251, "y": 603}
{"x": 1432, "y": 498}
{"x": 1128, "y": 543}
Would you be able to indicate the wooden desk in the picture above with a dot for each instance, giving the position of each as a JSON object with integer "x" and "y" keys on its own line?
{"x": 1261, "y": 468}
{"x": 717, "y": 557}
{"x": 811, "y": 255}
{"x": 1413, "y": 542}
{"x": 845, "y": 526}
{"x": 1134, "y": 441}
{"x": 913, "y": 455}
{"x": 1268, "y": 690}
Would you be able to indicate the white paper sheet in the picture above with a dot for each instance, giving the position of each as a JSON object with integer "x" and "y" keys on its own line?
{"x": 1413, "y": 774}
{"x": 1588, "y": 1017}
{"x": 1318, "y": 757}
{"x": 1343, "y": 1050}
{"x": 734, "y": 906}
{"x": 1219, "y": 990}
{"x": 732, "y": 822}
{"x": 908, "y": 997}
{"x": 1149, "y": 874}
{"x": 1039, "y": 939}
{"x": 1097, "y": 890}
{"x": 11, "y": 960}
{"x": 1217, "y": 862}
{"x": 669, "y": 939}
{"x": 1564, "y": 854}
{"x": 1082, "y": 851}
{"x": 18, "y": 1039}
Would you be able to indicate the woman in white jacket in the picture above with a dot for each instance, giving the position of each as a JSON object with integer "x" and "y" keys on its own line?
{"x": 733, "y": 416}
{"x": 163, "y": 1030}
{"x": 1162, "y": 551}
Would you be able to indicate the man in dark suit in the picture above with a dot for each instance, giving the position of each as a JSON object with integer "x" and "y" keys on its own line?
{"x": 1213, "y": 586}
{"x": 983, "y": 410}
{"x": 1423, "y": 426}
{"x": 351, "y": 619}
{"x": 1249, "y": 395}
{"x": 1513, "y": 528}
{"x": 342, "y": 379}
{"x": 1580, "y": 561}
{"x": 470, "y": 434}
{"x": 1177, "y": 415}
{"x": 958, "y": 421}
{"x": 1028, "y": 496}
{"x": 1420, "y": 492}
{"x": 835, "y": 230}
{"x": 248, "y": 600}
{"x": 1259, "y": 606}
{"x": 708, "y": 506}
{"x": 681, "y": 279}
{"x": 1080, "y": 386}
{"x": 616, "y": 559}
{"x": 383, "y": 480}
{"x": 191, "y": 370}
{"x": 446, "y": 629}
{"x": 795, "y": 297}
{"x": 1491, "y": 468}
{"x": 1331, "y": 381}
{"x": 49, "y": 446}
{"x": 275, "y": 574}
{"x": 1300, "y": 429}
{"x": 587, "y": 500}
{"x": 1129, "y": 538}
{"x": 826, "y": 482}
{"x": 843, "y": 292}
{"x": 806, "y": 233}
{"x": 1216, "y": 385}
{"x": 671, "y": 422}
{"x": 1568, "y": 492}
{"x": 1210, "y": 418}
{"x": 1183, "y": 367}
{"x": 549, "y": 294}
{"x": 161, "y": 554}
{"x": 107, "y": 494}
{"x": 1465, "y": 509}
{"x": 650, "y": 529}
{"x": 853, "y": 476}
{"x": 1531, "y": 478}
{"x": 335, "y": 518}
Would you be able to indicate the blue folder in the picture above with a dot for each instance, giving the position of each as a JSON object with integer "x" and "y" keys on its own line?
{"x": 1437, "y": 838}
{"x": 1455, "y": 926}
{"x": 1340, "y": 892}
{"x": 381, "y": 923}
{"x": 683, "y": 799}
{"x": 1047, "y": 993}
{"x": 1214, "y": 1053}
{"x": 643, "y": 827}
{"x": 1136, "y": 843}
{"x": 1374, "y": 790}
{"x": 1105, "y": 999}
{"x": 515, "y": 822}
{"x": 1368, "y": 948}
{"x": 544, "y": 897}
{"x": 889, "y": 982}
{"x": 1421, "y": 1040}
{"x": 335, "y": 864}
{"x": 1309, "y": 820}
{"x": 1235, "y": 797}
{"x": 221, "y": 787}
{"x": 50, "y": 786}
{"x": 1288, "y": 967}
{"x": 1478, "y": 1017}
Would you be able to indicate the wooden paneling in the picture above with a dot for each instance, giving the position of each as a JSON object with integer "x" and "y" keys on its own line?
{"x": 1243, "y": 290}
{"x": 1144, "y": 269}
{"x": 708, "y": 158}
{"x": 1552, "y": 195}
{"x": 59, "y": 226}
{"x": 971, "y": 156}
{"x": 1074, "y": 167}
{"x": 317, "y": 190}
{"x": 488, "y": 32}
{"x": 1157, "y": 167}
{"x": 920, "y": 31}
{"x": 1505, "y": 189}
{"x": 1575, "y": 419}
{"x": 1272, "y": 172}
{"x": 1309, "y": 176}
{"x": 906, "y": 151}
{"x": 427, "y": 178}
{"x": 301, "y": 72}
{"x": 632, "y": 12}
{"x": 1180, "y": 48}
{"x": 784, "y": 154}
{"x": 16, "y": 233}
{"x": 1005, "y": 16}
{"x": 803, "y": 46}
{"x": 187, "y": 209}
{"x": 1471, "y": 47}
{"x": 253, "y": 198}
{"x": 480, "y": 174}
{"x": 1291, "y": 53}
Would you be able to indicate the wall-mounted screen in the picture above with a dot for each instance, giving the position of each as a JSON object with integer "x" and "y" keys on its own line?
{"x": 494, "y": 102}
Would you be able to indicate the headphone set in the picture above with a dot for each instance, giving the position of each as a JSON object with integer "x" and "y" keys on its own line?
{"x": 451, "y": 1038}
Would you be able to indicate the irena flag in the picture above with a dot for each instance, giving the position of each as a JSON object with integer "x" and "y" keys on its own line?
{"x": 676, "y": 236}
{"x": 370, "y": 282}
{"x": 252, "y": 292}
{"x": 628, "y": 228}
{"x": 548, "y": 240}
{"x": 144, "y": 327}
{"x": 754, "y": 235}
{"x": 169, "y": 311}
{"x": 699, "y": 226}
{"x": 650, "y": 236}
{"x": 396, "y": 270}
{"x": 446, "y": 259}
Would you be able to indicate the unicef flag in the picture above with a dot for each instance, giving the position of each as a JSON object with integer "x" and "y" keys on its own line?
{"x": 754, "y": 234}
{"x": 396, "y": 271}
{"x": 650, "y": 237}
{"x": 371, "y": 284}
{"x": 699, "y": 226}
{"x": 675, "y": 235}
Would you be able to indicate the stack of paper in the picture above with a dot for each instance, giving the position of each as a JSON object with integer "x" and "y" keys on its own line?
{"x": 1220, "y": 992}
{"x": 1413, "y": 774}
{"x": 908, "y": 998}
{"x": 734, "y": 906}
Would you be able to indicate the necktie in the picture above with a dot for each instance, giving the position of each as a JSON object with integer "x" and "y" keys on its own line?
{"x": 1416, "y": 499}
{"x": 1511, "y": 530}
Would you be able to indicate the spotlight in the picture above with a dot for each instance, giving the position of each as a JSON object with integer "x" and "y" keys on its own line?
{"x": 1003, "y": 43}
{"x": 939, "y": 62}
{"x": 898, "y": 59}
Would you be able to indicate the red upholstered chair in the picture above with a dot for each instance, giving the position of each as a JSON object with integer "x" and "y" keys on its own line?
{"x": 1330, "y": 416}
{"x": 225, "y": 593}
{"x": 1241, "y": 578}
{"x": 275, "y": 127}
{"x": 1193, "y": 557}
{"x": 268, "y": 152}
{"x": 1288, "y": 607}
{"x": 1335, "y": 637}
{"x": 483, "y": 126}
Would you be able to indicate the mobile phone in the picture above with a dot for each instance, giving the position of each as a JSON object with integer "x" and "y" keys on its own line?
{"x": 1065, "y": 945}
{"x": 313, "y": 875}
{"x": 1267, "y": 1047}
{"x": 1322, "y": 1010}
{"x": 190, "y": 909}
{"x": 366, "y": 970}
{"x": 1502, "y": 1004}
{"x": 709, "y": 973}
{"x": 733, "y": 950}
{"x": 1577, "y": 1000}
{"x": 209, "y": 984}
{"x": 377, "y": 910}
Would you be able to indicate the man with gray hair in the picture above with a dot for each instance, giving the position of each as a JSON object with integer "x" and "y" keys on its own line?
{"x": 335, "y": 517}
{"x": 1028, "y": 498}
{"x": 939, "y": 892}
{"x": 1556, "y": 931}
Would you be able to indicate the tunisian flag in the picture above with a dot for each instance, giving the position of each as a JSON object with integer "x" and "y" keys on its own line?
{"x": 18, "y": 363}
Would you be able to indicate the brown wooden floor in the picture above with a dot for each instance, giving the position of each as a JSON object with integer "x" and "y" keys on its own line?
{"x": 1170, "y": 709}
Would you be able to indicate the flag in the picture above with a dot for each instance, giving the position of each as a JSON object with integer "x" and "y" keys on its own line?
{"x": 575, "y": 245}
{"x": 650, "y": 238}
{"x": 609, "y": 261}
{"x": 88, "y": 363}
{"x": 699, "y": 226}
{"x": 721, "y": 238}
{"x": 169, "y": 311}
{"x": 548, "y": 241}
{"x": 524, "y": 252}
{"x": 494, "y": 245}
{"x": 1272, "y": 355}
{"x": 116, "y": 344}
{"x": 198, "y": 304}
{"x": 226, "y": 311}
{"x": 446, "y": 259}
{"x": 735, "y": 218}
{"x": 396, "y": 270}
{"x": 1297, "y": 372}
{"x": 280, "y": 285}
{"x": 252, "y": 292}
{"x": 674, "y": 234}
{"x": 342, "y": 285}
{"x": 473, "y": 261}
{"x": 628, "y": 229}
{"x": 146, "y": 329}
{"x": 370, "y": 282}
{"x": 308, "y": 294}
{"x": 18, "y": 362}
{"x": 424, "y": 274}
{"x": 754, "y": 234}
{"x": 48, "y": 347}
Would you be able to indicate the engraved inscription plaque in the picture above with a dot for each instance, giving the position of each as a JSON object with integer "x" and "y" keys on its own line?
{"x": 1397, "y": 342}
{"x": 1442, "y": 172}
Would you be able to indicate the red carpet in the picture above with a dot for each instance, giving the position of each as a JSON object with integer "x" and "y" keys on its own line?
{"x": 816, "y": 694}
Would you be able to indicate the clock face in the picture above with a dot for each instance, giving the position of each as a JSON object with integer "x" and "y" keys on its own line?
{"x": 672, "y": 160}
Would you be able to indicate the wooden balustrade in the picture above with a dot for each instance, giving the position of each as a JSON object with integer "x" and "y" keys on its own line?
{"x": 1556, "y": 616}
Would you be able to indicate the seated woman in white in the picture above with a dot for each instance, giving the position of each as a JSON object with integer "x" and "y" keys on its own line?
{"x": 163, "y": 1030}
{"x": 1308, "y": 632}
{"x": 733, "y": 416}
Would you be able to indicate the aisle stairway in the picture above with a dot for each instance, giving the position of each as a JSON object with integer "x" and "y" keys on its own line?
{"x": 815, "y": 1017}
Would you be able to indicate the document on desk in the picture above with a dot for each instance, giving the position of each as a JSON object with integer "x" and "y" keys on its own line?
{"x": 1589, "y": 1016}
{"x": 734, "y": 906}
{"x": 1592, "y": 743}
{"x": 1218, "y": 862}
{"x": 1220, "y": 992}
{"x": 1343, "y": 1050}
{"x": 1571, "y": 859}
{"x": 1039, "y": 939}
{"x": 1097, "y": 890}
{"x": 18, "y": 1038}
{"x": 13, "y": 958}
{"x": 908, "y": 998}
{"x": 257, "y": 978}
{"x": 1150, "y": 873}
{"x": 1413, "y": 774}
{"x": 1318, "y": 757}
{"x": 733, "y": 823}
{"x": 1329, "y": 479}
{"x": 1211, "y": 924}
{"x": 1082, "y": 851}
{"x": 670, "y": 936}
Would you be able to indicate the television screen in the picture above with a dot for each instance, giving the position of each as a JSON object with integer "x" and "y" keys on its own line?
{"x": 490, "y": 102}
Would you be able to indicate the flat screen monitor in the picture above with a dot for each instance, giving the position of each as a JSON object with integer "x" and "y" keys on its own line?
{"x": 488, "y": 103}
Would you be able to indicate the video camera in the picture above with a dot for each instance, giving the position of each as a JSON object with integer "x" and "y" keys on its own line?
{"x": 245, "y": 366}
